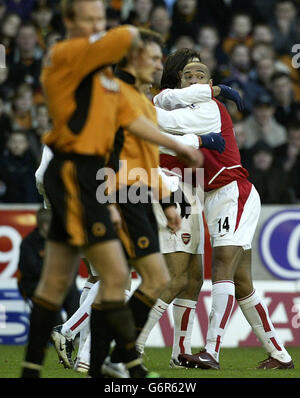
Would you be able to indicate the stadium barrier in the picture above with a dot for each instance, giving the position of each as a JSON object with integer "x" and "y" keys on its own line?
{"x": 276, "y": 272}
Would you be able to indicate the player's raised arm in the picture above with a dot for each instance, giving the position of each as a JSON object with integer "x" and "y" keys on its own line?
{"x": 88, "y": 45}
{"x": 103, "y": 49}
{"x": 169, "y": 99}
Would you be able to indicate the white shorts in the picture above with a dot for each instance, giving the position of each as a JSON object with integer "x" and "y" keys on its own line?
{"x": 232, "y": 213}
{"x": 190, "y": 237}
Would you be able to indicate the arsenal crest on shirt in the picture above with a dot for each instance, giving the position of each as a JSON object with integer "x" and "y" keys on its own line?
{"x": 186, "y": 238}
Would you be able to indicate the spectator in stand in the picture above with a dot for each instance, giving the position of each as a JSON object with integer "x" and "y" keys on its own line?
{"x": 140, "y": 14}
{"x": 260, "y": 50}
{"x": 259, "y": 83}
{"x": 2, "y": 9}
{"x": 239, "y": 64}
{"x": 270, "y": 180}
{"x": 25, "y": 64}
{"x": 186, "y": 19}
{"x": 9, "y": 29}
{"x": 42, "y": 125}
{"x": 160, "y": 22}
{"x": 265, "y": 68}
{"x": 183, "y": 42}
{"x": 6, "y": 86}
{"x": 240, "y": 32}
{"x": 5, "y": 126}
{"x": 262, "y": 126}
{"x": 289, "y": 156}
{"x": 240, "y": 137}
{"x": 239, "y": 76}
{"x": 209, "y": 39}
{"x": 283, "y": 63}
{"x": 22, "y": 108}
{"x": 262, "y": 33}
{"x": 283, "y": 26}
{"x": 17, "y": 168}
{"x": 42, "y": 16}
{"x": 42, "y": 120}
{"x": 286, "y": 106}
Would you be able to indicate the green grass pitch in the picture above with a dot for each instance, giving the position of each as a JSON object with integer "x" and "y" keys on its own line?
{"x": 235, "y": 363}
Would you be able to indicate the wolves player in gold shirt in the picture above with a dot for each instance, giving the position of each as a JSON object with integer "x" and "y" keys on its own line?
{"x": 87, "y": 106}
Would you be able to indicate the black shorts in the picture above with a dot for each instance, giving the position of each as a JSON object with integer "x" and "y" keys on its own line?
{"x": 139, "y": 234}
{"x": 77, "y": 217}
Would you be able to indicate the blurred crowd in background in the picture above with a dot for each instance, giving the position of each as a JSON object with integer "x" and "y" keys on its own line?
{"x": 249, "y": 45}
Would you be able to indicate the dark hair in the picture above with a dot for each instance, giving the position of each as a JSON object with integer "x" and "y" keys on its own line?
{"x": 261, "y": 146}
{"x": 67, "y": 9}
{"x": 24, "y": 25}
{"x": 239, "y": 44}
{"x": 209, "y": 26}
{"x": 261, "y": 23}
{"x": 175, "y": 64}
{"x": 150, "y": 36}
{"x": 18, "y": 132}
{"x": 147, "y": 36}
{"x": 279, "y": 75}
{"x": 156, "y": 6}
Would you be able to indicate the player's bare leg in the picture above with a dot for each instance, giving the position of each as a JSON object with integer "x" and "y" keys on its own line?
{"x": 194, "y": 279}
{"x": 110, "y": 317}
{"x": 59, "y": 269}
{"x": 183, "y": 268}
{"x": 257, "y": 315}
{"x": 154, "y": 273}
{"x": 225, "y": 260}
{"x": 177, "y": 264}
{"x": 155, "y": 277}
{"x": 61, "y": 264}
{"x": 109, "y": 262}
{"x": 243, "y": 277}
